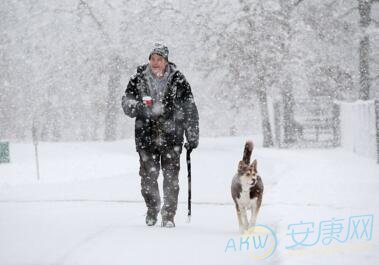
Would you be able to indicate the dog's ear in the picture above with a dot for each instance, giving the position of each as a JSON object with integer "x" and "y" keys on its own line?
{"x": 253, "y": 166}
{"x": 242, "y": 167}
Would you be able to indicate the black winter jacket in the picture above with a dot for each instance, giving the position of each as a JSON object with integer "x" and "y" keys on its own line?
{"x": 178, "y": 114}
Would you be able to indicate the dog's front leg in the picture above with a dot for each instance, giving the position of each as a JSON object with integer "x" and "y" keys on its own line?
{"x": 245, "y": 222}
{"x": 254, "y": 214}
{"x": 240, "y": 221}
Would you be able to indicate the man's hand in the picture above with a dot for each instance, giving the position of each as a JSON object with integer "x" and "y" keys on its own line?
{"x": 191, "y": 145}
{"x": 143, "y": 110}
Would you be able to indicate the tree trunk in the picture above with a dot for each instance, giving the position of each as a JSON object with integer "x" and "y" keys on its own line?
{"x": 364, "y": 50}
{"x": 288, "y": 112}
{"x": 114, "y": 84}
{"x": 286, "y": 90}
{"x": 266, "y": 126}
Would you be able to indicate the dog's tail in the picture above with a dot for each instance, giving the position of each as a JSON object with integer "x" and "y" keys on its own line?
{"x": 247, "y": 152}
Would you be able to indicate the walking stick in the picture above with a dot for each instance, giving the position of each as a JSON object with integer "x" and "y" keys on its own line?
{"x": 188, "y": 159}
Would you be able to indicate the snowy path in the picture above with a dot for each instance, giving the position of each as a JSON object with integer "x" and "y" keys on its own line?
{"x": 87, "y": 208}
{"x": 108, "y": 233}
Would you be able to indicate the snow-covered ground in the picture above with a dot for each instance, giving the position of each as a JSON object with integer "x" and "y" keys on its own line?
{"x": 87, "y": 207}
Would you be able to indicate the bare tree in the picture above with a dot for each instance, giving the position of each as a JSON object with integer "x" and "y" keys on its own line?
{"x": 364, "y": 49}
{"x": 112, "y": 106}
{"x": 285, "y": 14}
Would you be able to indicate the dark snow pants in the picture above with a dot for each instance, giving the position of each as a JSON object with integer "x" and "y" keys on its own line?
{"x": 150, "y": 164}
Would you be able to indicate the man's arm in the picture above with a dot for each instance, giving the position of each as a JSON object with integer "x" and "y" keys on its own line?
{"x": 191, "y": 114}
{"x": 130, "y": 100}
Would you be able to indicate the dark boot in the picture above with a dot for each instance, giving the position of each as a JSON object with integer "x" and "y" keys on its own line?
{"x": 168, "y": 222}
{"x": 151, "y": 217}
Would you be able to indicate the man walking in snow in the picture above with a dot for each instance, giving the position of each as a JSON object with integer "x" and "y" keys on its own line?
{"x": 161, "y": 100}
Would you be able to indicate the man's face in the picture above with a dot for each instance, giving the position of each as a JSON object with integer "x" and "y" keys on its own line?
{"x": 157, "y": 64}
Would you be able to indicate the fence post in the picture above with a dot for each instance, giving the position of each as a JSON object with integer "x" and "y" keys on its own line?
{"x": 35, "y": 143}
{"x": 4, "y": 152}
{"x": 336, "y": 124}
{"x": 377, "y": 129}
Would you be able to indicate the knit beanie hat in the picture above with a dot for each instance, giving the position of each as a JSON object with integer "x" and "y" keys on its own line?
{"x": 159, "y": 49}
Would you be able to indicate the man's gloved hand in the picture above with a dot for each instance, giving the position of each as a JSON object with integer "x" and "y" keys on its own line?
{"x": 191, "y": 145}
{"x": 144, "y": 110}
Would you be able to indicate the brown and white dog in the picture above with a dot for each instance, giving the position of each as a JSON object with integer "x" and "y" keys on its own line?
{"x": 247, "y": 190}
